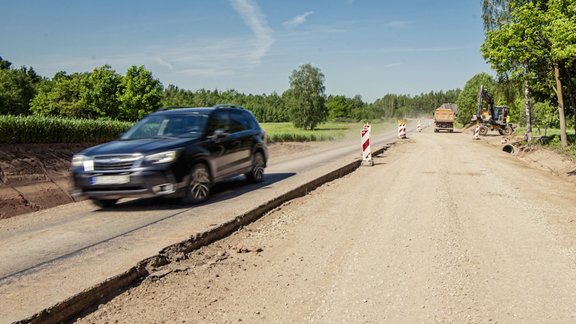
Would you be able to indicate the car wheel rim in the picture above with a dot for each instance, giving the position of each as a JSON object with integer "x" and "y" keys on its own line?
{"x": 258, "y": 171}
{"x": 200, "y": 184}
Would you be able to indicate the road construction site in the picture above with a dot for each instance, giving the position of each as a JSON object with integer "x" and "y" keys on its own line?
{"x": 440, "y": 228}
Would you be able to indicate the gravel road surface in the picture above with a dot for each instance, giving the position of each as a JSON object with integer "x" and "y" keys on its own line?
{"x": 441, "y": 229}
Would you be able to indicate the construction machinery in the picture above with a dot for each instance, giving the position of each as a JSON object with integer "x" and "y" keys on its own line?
{"x": 493, "y": 117}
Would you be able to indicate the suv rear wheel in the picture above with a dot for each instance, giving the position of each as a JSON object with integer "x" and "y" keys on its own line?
{"x": 256, "y": 175}
{"x": 199, "y": 185}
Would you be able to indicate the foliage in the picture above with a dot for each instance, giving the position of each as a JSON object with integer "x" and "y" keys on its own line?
{"x": 60, "y": 96}
{"x": 98, "y": 94}
{"x": 105, "y": 94}
{"x": 537, "y": 44}
{"x": 17, "y": 88}
{"x": 305, "y": 98}
{"x": 495, "y": 13}
{"x": 37, "y": 129}
{"x": 545, "y": 115}
{"x": 140, "y": 94}
{"x": 343, "y": 108}
{"x": 393, "y": 106}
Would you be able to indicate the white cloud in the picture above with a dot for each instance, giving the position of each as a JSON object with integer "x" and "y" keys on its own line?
{"x": 256, "y": 21}
{"x": 161, "y": 62}
{"x": 298, "y": 20}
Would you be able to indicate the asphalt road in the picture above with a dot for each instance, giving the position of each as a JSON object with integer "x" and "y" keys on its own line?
{"x": 53, "y": 254}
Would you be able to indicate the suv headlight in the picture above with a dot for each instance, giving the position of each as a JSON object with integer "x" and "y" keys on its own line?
{"x": 78, "y": 160}
{"x": 163, "y": 157}
{"x": 82, "y": 161}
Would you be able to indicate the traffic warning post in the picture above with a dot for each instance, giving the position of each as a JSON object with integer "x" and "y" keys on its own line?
{"x": 477, "y": 132}
{"x": 366, "y": 150}
{"x": 402, "y": 128}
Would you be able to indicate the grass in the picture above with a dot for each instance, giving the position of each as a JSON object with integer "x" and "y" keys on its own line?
{"x": 286, "y": 132}
{"x": 552, "y": 139}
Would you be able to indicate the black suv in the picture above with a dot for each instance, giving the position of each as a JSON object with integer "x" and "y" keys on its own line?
{"x": 178, "y": 152}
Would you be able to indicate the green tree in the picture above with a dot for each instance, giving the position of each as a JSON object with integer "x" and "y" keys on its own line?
{"x": 98, "y": 94}
{"x": 17, "y": 88}
{"x": 536, "y": 45}
{"x": 4, "y": 64}
{"x": 561, "y": 32}
{"x": 306, "y": 98}
{"x": 60, "y": 96}
{"x": 338, "y": 107}
{"x": 545, "y": 116}
{"x": 495, "y": 13}
{"x": 139, "y": 94}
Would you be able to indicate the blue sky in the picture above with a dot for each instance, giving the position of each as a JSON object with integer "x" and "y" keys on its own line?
{"x": 363, "y": 47}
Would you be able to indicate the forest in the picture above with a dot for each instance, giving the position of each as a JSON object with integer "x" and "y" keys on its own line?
{"x": 105, "y": 94}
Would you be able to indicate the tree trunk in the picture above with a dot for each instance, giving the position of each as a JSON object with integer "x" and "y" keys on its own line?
{"x": 528, "y": 109}
{"x": 563, "y": 138}
{"x": 571, "y": 95}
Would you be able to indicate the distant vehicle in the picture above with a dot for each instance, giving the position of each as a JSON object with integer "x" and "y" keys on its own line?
{"x": 493, "y": 118}
{"x": 179, "y": 152}
{"x": 444, "y": 118}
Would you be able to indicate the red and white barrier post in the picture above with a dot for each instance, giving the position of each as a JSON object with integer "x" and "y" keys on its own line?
{"x": 366, "y": 150}
{"x": 402, "y": 129}
{"x": 477, "y": 132}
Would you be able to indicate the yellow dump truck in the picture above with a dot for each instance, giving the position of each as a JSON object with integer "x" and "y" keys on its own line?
{"x": 444, "y": 118}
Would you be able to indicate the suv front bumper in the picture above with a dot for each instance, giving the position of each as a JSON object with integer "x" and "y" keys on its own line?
{"x": 140, "y": 184}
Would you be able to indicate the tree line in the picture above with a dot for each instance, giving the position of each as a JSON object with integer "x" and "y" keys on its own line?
{"x": 531, "y": 45}
{"x": 105, "y": 94}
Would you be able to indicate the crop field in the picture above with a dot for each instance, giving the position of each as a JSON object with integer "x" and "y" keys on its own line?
{"x": 42, "y": 130}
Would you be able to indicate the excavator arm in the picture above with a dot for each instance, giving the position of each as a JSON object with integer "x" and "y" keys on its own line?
{"x": 484, "y": 96}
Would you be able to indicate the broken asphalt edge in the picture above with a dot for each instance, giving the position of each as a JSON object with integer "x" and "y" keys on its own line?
{"x": 72, "y": 307}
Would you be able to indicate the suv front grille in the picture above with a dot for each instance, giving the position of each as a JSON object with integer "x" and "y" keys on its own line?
{"x": 115, "y": 162}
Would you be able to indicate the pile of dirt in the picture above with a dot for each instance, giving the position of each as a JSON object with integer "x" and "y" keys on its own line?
{"x": 35, "y": 177}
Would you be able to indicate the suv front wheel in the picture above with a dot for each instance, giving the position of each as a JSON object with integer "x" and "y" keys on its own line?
{"x": 256, "y": 175}
{"x": 199, "y": 185}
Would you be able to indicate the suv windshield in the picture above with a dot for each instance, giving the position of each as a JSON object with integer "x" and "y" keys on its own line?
{"x": 174, "y": 125}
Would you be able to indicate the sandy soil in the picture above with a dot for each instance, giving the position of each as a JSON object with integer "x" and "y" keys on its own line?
{"x": 441, "y": 229}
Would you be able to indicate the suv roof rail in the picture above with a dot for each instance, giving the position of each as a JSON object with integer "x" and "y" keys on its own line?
{"x": 170, "y": 107}
{"x": 228, "y": 106}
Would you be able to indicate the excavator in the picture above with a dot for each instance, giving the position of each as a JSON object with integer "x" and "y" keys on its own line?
{"x": 494, "y": 118}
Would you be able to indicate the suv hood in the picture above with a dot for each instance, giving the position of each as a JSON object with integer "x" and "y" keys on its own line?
{"x": 143, "y": 145}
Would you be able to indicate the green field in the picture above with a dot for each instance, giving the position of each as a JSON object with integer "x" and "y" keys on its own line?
{"x": 286, "y": 132}
{"x": 36, "y": 129}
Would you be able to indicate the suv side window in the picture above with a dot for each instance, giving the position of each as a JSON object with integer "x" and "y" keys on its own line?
{"x": 219, "y": 120}
{"x": 238, "y": 121}
{"x": 253, "y": 124}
